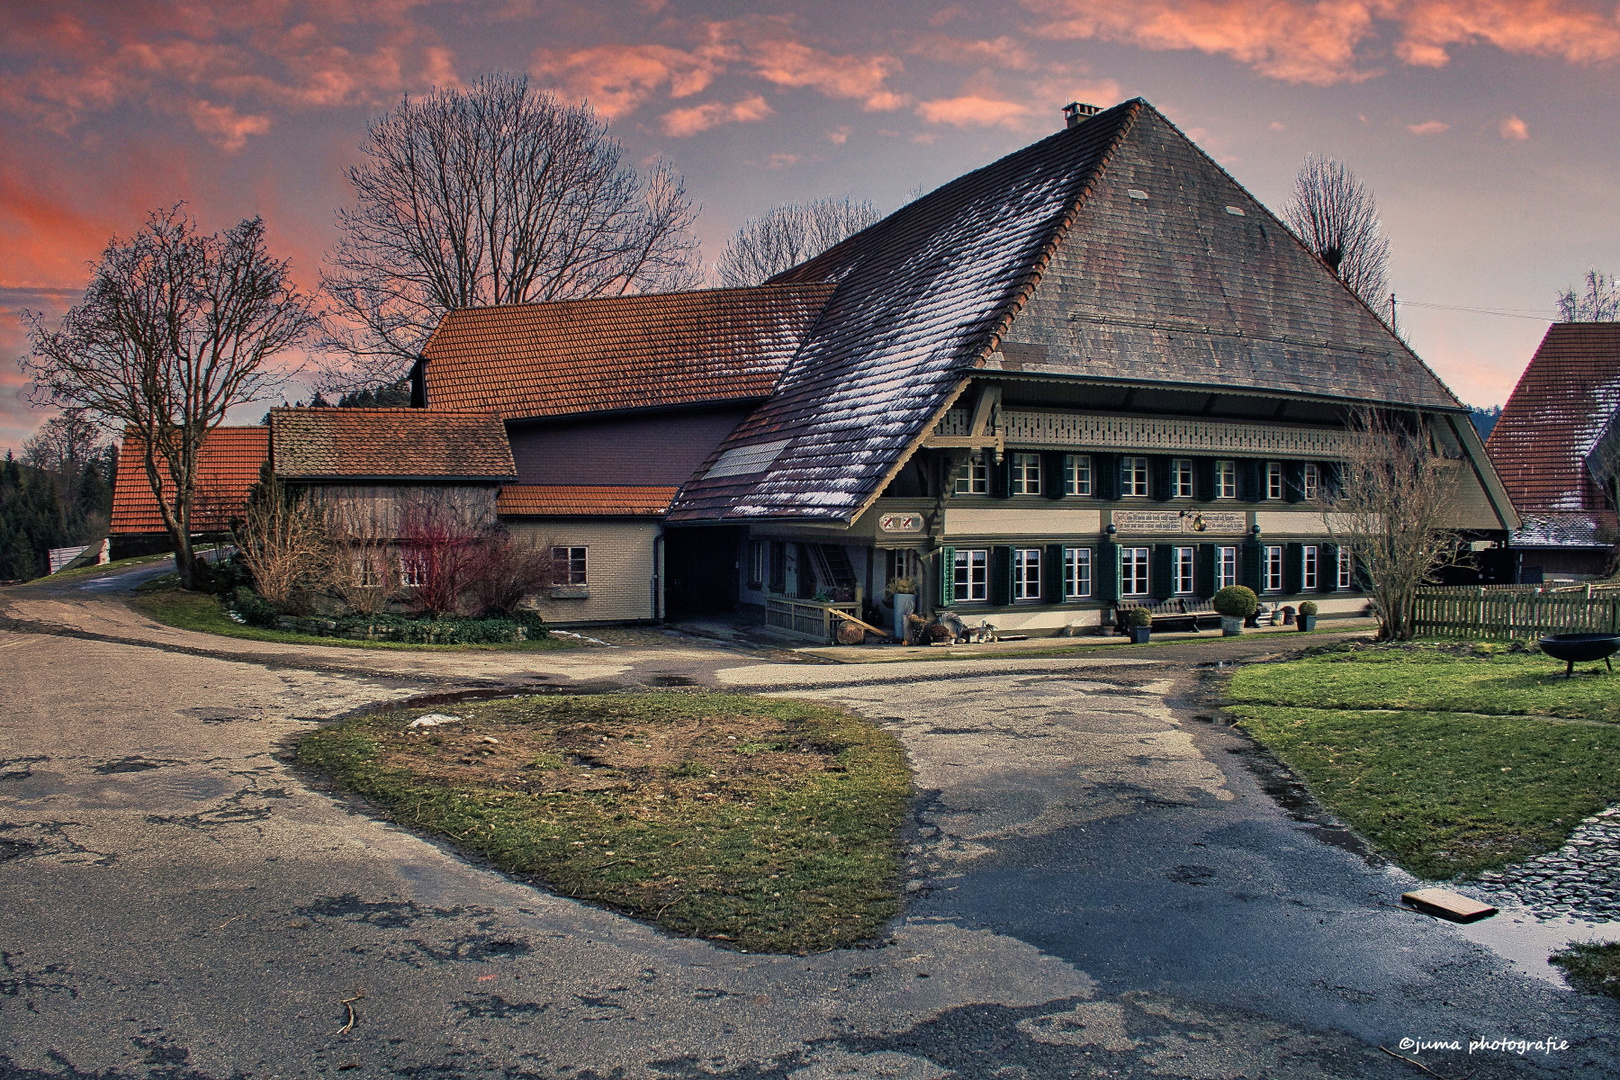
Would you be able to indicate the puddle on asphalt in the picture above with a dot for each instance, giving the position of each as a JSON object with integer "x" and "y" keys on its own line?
{"x": 1517, "y": 936}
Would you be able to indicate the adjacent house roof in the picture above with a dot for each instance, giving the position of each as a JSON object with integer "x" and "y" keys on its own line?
{"x": 389, "y": 444}
{"x": 1561, "y": 418}
{"x": 227, "y": 467}
{"x": 551, "y": 500}
{"x": 616, "y": 353}
{"x": 1114, "y": 250}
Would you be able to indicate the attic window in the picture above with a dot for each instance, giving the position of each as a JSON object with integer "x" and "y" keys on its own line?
{"x": 743, "y": 460}
{"x": 1136, "y": 193}
{"x": 1236, "y": 211}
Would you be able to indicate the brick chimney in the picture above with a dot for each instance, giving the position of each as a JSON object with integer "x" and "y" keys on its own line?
{"x": 1075, "y": 114}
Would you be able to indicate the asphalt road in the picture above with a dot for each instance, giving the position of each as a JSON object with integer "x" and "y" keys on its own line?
{"x": 1101, "y": 885}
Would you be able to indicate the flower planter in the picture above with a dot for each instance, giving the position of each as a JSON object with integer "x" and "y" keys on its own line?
{"x": 1140, "y": 634}
{"x": 1231, "y": 625}
{"x": 1307, "y": 622}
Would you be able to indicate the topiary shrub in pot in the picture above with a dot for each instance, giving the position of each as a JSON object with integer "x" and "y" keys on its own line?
{"x": 1140, "y": 620}
{"x": 1307, "y": 615}
{"x": 1234, "y": 604}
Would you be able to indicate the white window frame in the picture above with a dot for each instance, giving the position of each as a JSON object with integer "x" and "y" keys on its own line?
{"x": 970, "y": 583}
{"x": 1181, "y": 478}
{"x": 1026, "y": 474}
{"x": 1313, "y": 481}
{"x": 973, "y": 477}
{"x": 1226, "y": 479}
{"x": 759, "y": 564}
{"x": 1347, "y": 564}
{"x": 1076, "y": 573}
{"x": 571, "y": 564}
{"x": 1135, "y": 577}
{"x": 413, "y": 569}
{"x": 1026, "y": 574}
{"x": 1309, "y": 565}
{"x": 1182, "y": 561}
{"x": 1276, "y": 488}
{"x": 1133, "y": 477}
{"x": 1271, "y": 566}
{"x": 1077, "y": 474}
{"x": 1226, "y": 566}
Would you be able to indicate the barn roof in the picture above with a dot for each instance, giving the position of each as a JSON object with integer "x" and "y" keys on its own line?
{"x": 227, "y": 467}
{"x": 1112, "y": 250}
{"x": 388, "y": 444}
{"x": 569, "y": 500}
{"x": 1562, "y": 414}
{"x": 615, "y": 353}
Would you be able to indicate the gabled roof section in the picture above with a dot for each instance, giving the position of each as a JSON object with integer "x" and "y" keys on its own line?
{"x": 388, "y": 444}
{"x": 1173, "y": 274}
{"x": 1565, "y": 409}
{"x": 626, "y": 352}
{"x": 564, "y": 500}
{"x": 227, "y": 467}
{"x": 920, "y": 296}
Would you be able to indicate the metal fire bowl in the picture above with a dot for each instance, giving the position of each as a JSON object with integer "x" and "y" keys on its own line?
{"x": 1580, "y": 648}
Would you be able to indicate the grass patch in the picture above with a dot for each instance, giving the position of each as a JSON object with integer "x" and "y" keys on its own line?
{"x": 113, "y": 567}
{"x": 1449, "y": 759}
{"x": 768, "y": 823}
{"x": 1591, "y": 966}
{"x": 163, "y": 602}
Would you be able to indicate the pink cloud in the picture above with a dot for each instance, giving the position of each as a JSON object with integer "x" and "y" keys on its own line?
{"x": 1551, "y": 28}
{"x": 1428, "y": 127}
{"x": 972, "y": 110}
{"x": 1513, "y": 128}
{"x": 862, "y": 78}
{"x": 618, "y": 79}
{"x": 684, "y": 122}
{"x": 1000, "y": 52}
{"x": 224, "y": 126}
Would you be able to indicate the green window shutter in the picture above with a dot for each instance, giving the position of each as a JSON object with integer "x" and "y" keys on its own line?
{"x": 1294, "y": 480}
{"x": 1052, "y": 475}
{"x": 1204, "y": 570}
{"x": 1159, "y": 478}
{"x": 1204, "y": 479}
{"x": 1106, "y": 571}
{"x": 1293, "y": 568}
{"x": 1000, "y": 477}
{"x": 1251, "y": 480}
{"x": 1249, "y": 568}
{"x": 1001, "y": 576}
{"x": 1161, "y": 579}
{"x": 1052, "y": 574}
{"x": 1105, "y": 476}
{"x": 1327, "y": 568}
{"x": 947, "y": 577}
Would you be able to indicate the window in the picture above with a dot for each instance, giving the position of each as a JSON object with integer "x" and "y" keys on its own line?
{"x": 902, "y": 564}
{"x": 1313, "y": 480}
{"x": 1133, "y": 571}
{"x": 1226, "y": 479}
{"x": 973, "y": 478}
{"x": 1225, "y": 567}
{"x": 1181, "y": 478}
{"x": 413, "y": 569}
{"x": 1027, "y": 573}
{"x": 1274, "y": 568}
{"x": 1307, "y": 576}
{"x": 1026, "y": 474}
{"x": 759, "y": 563}
{"x": 568, "y": 565}
{"x": 1077, "y": 474}
{"x": 972, "y": 576}
{"x": 1346, "y": 566}
{"x": 1181, "y": 566}
{"x": 1076, "y": 573}
{"x": 1133, "y": 477}
{"x": 1274, "y": 480}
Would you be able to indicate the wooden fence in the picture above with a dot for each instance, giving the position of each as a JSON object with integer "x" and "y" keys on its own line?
{"x": 806, "y": 618}
{"x": 1514, "y": 611}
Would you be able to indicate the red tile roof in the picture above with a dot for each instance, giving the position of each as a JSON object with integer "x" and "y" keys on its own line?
{"x": 227, "y": 466}
{"x": 389, "y": 444}
{"x": 623, "y": 352}
{"x": 1565, "y": 404}
{"x": 551, "y": 500}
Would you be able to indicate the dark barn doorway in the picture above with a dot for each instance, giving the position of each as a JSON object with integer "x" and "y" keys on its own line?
{"x": 701, "y": 569}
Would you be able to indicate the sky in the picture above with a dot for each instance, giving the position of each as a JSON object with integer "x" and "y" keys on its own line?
{"x": 1484, "y": 127}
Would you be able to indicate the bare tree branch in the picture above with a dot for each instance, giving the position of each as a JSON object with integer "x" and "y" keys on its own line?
{"x": 1335, "y": 216}
{"x": 175, "y": 329}
{"x": 789, "y": 235}
{"x": 498, "y": 194}
{"x": 1601, "y": 302}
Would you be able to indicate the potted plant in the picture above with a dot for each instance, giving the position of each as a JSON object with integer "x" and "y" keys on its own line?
{"x": 1234, "y": 604}
{"x": 1307, "y": 615}
{"x": 1140, "y": 620}
{"x": 903, "y": 595}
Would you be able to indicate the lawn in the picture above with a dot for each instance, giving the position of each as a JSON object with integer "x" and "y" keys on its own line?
{"x": 1591, "y": 966}
{"x": 767, "y": 823}
{"x": 205, "y": 613}
{"x": 1448, "y": 763}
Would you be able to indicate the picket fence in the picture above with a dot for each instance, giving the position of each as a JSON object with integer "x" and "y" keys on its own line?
{"x": 1517, "y": 612}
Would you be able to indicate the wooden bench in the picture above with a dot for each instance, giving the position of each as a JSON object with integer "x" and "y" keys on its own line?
{"x": 1181, "y": 614}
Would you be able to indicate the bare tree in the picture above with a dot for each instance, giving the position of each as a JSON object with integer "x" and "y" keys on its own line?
{"x": 789, "y": 235}
{"x": 65, "y": 443}
{"x": 282, "y": 541}
{"x": 1332, "y": 211}
{"x": 1395, "y": 493}
{"x": 499, "y": 194}
{"x": 1601, "y": 302}
{"x": 175, "y": 329}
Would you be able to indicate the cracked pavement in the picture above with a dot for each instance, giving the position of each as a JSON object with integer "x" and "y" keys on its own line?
{"x": 1099, "y": 884}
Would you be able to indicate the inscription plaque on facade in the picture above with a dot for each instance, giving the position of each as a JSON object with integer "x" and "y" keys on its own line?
{"x": 1178, "y": 522}
{"x": 900, "y": 523}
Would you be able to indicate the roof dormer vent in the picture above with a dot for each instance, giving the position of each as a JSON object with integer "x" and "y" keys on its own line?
{"x": 1075, "y": 114}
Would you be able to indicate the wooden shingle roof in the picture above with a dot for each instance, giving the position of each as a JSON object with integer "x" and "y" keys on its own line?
{"x": 1566, "y": 404}
{"x": 227, "y": 467}
{"x": 617, "y": 353}
{"x": 389, "y": 444}
{"x": 1171, "y": 288}
{"x": 569, "y": 500}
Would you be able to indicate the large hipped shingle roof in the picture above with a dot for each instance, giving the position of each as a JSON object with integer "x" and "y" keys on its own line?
{"x": 227, "y": 467}
{"x": 618, "y": 353}
{"x": 389, "y": 444}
